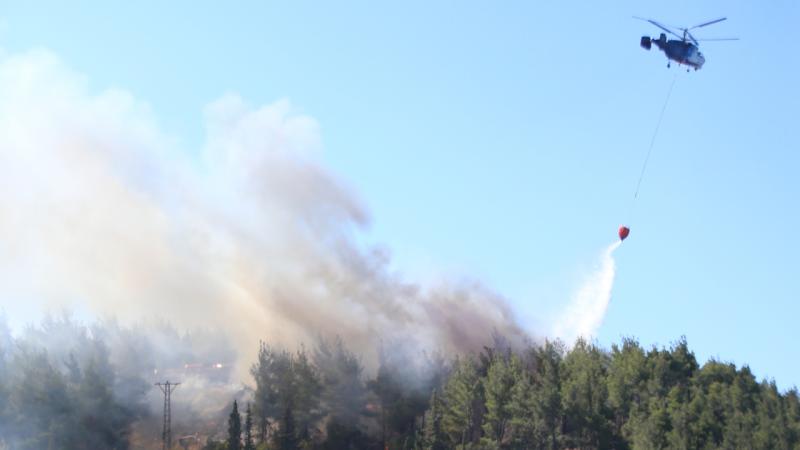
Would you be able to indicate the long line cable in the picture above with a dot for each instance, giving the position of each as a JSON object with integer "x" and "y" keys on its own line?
{"x": 653, "y": 139}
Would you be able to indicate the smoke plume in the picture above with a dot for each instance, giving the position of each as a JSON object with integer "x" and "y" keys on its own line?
{"x": 587, "y": 309}
{"x": 100, "y": 208}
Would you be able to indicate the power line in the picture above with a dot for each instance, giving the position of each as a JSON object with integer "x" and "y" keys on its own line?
{"x": 166, "y": 435}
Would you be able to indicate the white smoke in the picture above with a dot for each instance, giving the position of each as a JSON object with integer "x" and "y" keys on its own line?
{"x": 587, "y": 308}
{"x": 100, "y": 208}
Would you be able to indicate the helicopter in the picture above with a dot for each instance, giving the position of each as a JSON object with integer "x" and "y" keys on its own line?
{"x": 684, "y": 50}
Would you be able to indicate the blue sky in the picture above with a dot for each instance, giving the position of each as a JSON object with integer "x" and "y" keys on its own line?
{"x": 503, "y": 141}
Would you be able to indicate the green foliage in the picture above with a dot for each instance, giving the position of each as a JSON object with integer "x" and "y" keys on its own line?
{"x": 402, "y": 387}
{"x": 463, "y": 400}
{"x": 498, "y": 387}
{"x": 434, "y": 437}
{"x": 63, "y": 398}
{"x": 344, "y": 436}
{"x": 266, "y": 389}
{"x": 288, "y": 393}
{"x": 307, "y": 390}
{"x": 343, "y": 389}
{"x": 627, "y": 378}
{"x": 286, "y": 438}
{"x": 234, "y": 428}
{"x": 587, "y": 398}
{"x": 584, "y": 397}
{"x": 211, "y": 444}
{"x": 343, "y": 394}
{"x": 248, "y": 430}
{"x": 544, "y": 397}
{"x": 548, "y": 392}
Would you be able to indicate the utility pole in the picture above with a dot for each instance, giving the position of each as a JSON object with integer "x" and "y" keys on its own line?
{"x": 166, "y": 435}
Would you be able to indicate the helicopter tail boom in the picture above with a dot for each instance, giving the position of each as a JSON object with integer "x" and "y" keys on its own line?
{"x": 647, "y": 42}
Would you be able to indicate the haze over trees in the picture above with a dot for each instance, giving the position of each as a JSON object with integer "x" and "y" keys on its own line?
{"x": 66, "y": 385}
{"x": 540, "y": 397}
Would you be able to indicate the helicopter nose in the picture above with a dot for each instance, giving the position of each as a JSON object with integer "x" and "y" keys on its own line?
{"x": 697, "y": 60}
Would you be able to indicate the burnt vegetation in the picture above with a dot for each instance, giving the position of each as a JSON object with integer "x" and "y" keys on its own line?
{"x": 64, "y": 385}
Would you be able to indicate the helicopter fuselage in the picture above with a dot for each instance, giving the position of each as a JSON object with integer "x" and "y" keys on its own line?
{"x": 682, "y": 52}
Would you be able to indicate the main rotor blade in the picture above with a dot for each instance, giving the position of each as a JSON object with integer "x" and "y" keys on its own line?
{"x": 659, "y": 26}
{"x": 691, "y": 37}
{"x": 718, "y": 39}
{"x": 708, "y": 23}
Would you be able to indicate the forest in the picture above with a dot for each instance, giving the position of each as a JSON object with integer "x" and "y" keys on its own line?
{"x": 64, "y": 385}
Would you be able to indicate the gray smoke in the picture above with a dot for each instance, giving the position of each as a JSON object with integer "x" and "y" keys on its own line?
{"x": 101, "y": 209}
{"x": 70, "y": 385}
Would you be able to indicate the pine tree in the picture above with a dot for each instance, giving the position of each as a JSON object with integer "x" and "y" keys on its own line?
{"x": 287, "y": 435}
{"x": 526, "y": 431}
{"x": 497, "y": 390}
{"x": 547, "y": 392}
{"x": 248, "y": 430}
{"x": 434, "y": 436}
{"x": 585, "y": 397}
{"x": 307, "y": 392}
{"x": 388, "y": 392}
{"x": 343, "y": 390}
{"x": 343, "y": 393}
{"x": 462, "y": 397}
{"x": 234, "y": 429}
{"x": 266, "y": 389}
{"x": 627, "y": 374}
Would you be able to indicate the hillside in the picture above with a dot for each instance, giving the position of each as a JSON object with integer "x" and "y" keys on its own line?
{"x": 66, "y": 385}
